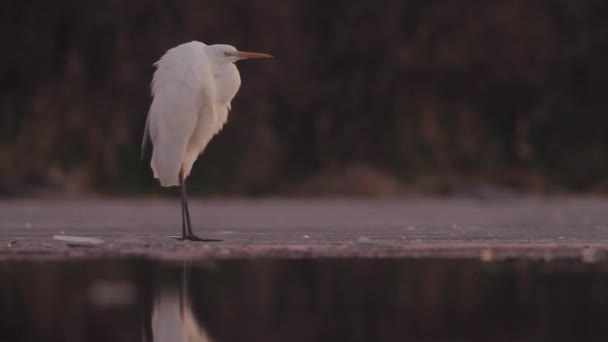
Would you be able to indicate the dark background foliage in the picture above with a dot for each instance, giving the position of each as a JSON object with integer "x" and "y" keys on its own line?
{"x": 364, "y": 97}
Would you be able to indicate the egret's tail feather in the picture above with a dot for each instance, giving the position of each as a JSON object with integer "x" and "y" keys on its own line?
{"x": 166, "y": 168}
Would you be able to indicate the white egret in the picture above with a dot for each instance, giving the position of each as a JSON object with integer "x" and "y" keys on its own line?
{"x": 192, "y": 88}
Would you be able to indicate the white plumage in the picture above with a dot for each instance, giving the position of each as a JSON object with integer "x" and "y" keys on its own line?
{"x": 192, "y": 89}
{"x": 190, "y": 104}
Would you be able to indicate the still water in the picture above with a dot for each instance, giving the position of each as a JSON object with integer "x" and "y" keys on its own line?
{"x": 303, "y": 300}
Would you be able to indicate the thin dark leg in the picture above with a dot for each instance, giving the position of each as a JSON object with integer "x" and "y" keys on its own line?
{"x": 183, "y": 214}
{"x": 186, "y": 224}
{"x": 186, "y": 211}
{"x": 187, "y": 233}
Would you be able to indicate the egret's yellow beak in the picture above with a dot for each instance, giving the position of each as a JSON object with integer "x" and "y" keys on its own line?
{"x": 244, "y": 54}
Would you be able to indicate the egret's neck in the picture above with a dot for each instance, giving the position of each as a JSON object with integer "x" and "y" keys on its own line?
{"x": 227, "y": 82}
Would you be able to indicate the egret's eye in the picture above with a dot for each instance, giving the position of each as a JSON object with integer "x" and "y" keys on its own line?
{"x": 227, "y": 54}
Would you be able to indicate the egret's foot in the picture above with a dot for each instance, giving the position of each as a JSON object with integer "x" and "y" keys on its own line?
{"x": 192, "y": 237}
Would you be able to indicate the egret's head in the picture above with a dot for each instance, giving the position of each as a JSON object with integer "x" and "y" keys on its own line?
{"x": 228, "y": 53}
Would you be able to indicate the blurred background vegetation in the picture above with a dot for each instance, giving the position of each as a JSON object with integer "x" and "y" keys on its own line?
{"x": 364, "y": 97}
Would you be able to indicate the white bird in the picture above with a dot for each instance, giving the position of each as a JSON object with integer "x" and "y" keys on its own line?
{"x": 192, "y": 89}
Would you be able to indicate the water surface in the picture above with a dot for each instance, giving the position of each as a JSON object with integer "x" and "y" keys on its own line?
{"x": 303, "y": 300}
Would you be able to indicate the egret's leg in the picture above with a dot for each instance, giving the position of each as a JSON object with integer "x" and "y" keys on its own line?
{"x": 187, "y": 233}
{"x": 183, "y": 213}
{"x": 186, "y": 224}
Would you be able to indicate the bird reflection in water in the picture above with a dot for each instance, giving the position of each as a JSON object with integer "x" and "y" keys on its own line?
{"x": 172, "y": 317}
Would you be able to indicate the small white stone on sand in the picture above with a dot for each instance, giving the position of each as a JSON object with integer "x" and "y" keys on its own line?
{"x": 129, "y": 240}
{"x": 305, "y": 237}
{"x": 78, "y": 241}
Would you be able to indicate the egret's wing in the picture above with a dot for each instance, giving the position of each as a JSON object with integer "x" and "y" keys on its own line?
{"x": 183, "y": 84}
